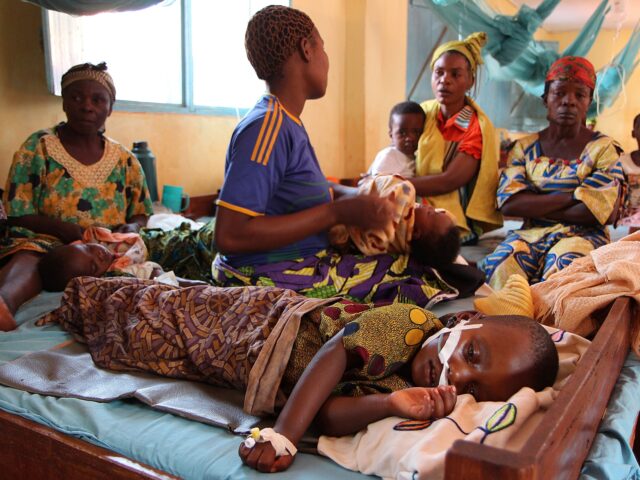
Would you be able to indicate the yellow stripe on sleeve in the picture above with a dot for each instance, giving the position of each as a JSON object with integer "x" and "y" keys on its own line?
{"x": 292, "y": 117}
{"x": 265, "y": 160}
{"x": 236, "y": 208}
{"x": 265, "y": 140}
{"x": 265, "y": 121}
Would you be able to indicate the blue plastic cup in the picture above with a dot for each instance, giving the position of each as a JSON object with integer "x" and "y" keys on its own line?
{"x": 174, "y": 199}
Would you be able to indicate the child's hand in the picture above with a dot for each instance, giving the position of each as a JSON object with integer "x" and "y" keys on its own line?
{"x": 421, "y": 403}
{"x": 127, "y": 228}
{"x": 262, "y": 457}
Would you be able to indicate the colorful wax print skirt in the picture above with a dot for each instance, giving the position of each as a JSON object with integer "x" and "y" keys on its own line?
{"x": 361, "y": 278}
{"x": 537, "y": 253}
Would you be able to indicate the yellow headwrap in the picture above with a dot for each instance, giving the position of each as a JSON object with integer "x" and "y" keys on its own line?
{"x": 470, "y": 47}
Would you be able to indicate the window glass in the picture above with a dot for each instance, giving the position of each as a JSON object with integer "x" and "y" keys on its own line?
{"x": 222, "y": 75}
{"x": 143, "y": 50}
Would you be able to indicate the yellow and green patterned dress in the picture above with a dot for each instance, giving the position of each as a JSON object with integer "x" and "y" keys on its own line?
{"x": 543, "y": 247}
{"x": 45, "y": 179}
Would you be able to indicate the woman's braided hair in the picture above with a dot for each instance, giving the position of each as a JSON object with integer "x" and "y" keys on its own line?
{"x": 273, "y": 34}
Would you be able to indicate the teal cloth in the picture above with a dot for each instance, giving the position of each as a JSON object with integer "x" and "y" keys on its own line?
{"x": 511, "y": 52}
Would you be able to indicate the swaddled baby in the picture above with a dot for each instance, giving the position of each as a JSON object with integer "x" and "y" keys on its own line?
{"x": 427, "y": 233}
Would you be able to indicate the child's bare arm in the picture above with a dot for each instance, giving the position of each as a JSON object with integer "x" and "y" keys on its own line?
{"x": 345, "y": 415}
{"x": 314, "y": 387}
{"x": 311, "y": 400}
{"x": 312, "y": 390}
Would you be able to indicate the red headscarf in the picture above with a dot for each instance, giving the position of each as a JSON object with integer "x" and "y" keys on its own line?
{"x": 573, "y": 68}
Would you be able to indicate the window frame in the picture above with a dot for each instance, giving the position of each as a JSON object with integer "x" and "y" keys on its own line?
{"x": 187, "y": 107}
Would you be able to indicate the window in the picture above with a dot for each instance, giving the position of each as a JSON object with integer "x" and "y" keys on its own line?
{"x": 179, "y": 56}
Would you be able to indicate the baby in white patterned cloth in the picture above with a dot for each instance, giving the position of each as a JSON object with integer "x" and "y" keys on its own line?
{"x": 427, "y": 233}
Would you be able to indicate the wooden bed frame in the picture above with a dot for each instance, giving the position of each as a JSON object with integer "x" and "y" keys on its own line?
{"x": 556, "y": 449}
{"x": 560, "y": 444}
{"x": 29, "y": 450}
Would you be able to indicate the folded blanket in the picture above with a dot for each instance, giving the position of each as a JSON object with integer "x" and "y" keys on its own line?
{"x": 569, "y": 298}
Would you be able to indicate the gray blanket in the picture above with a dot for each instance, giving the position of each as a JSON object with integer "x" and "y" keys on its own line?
{"x": 69, "y": 372}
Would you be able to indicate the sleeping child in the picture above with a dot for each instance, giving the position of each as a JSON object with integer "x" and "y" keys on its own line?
{"x": 429, "y": 234}
{"x": 100, "y": 252}
{"x": 339, "y": 364}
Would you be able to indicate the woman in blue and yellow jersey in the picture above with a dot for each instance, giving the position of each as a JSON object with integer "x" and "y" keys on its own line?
{"x": 276, "y": 206}
{"x": 564, "y": 181}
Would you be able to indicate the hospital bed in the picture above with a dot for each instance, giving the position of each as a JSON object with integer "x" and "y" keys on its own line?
{"x": 46, "y": 437}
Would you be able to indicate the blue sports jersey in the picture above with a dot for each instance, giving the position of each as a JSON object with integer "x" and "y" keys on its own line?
{"x": 271, "y": 169}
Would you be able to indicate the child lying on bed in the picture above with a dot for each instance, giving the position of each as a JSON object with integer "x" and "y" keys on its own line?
{"x": 430, "y": 234}
{"x": 101, "y": 251}
{"x": 332, "y": 361}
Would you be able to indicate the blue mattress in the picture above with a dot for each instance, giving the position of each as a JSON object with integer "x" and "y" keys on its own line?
{"x": 193, "y": 450}
{"x": 611, "y": 455}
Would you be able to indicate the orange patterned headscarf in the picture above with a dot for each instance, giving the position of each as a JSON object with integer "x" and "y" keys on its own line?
{"x": 573, "y": 68}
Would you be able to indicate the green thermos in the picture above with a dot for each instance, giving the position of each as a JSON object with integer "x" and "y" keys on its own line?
{"x": 148, "y": 162}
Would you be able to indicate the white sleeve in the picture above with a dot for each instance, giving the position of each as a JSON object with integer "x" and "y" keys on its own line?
{"x": 390, "y": 161}
{"x": 383, "y": 162}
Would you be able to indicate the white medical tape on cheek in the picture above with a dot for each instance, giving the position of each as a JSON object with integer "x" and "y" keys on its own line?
{"x": 450, "y": 345}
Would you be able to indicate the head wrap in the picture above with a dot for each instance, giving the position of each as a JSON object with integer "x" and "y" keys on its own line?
{"x": 573, "y": 68}
{"x": 88, "y": 71}
{"x": 272, "y": 35}
{"x": 470, "y": 47}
